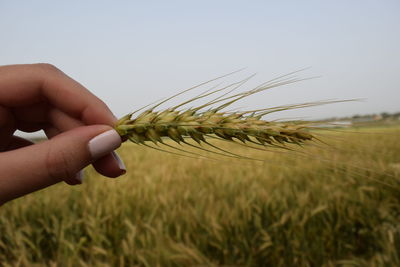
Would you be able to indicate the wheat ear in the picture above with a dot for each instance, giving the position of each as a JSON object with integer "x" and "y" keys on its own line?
{"x": 210, "y": 121}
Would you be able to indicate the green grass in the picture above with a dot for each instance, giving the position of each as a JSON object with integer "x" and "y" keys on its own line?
{"x": 338, "y": 207}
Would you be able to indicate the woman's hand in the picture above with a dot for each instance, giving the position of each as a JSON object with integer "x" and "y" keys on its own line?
{"x": 78, "y": 124}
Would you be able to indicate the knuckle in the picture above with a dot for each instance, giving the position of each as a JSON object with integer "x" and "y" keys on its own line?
{"x": 46, "y": 67}
{"x": 59, "y": 164}
{"x": 104, "y": 106}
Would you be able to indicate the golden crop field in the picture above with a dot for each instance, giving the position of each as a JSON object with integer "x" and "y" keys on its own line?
{"x": 337, "y": 205}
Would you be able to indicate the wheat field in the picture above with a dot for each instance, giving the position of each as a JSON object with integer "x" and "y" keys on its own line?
{"x": 336, "y": 205}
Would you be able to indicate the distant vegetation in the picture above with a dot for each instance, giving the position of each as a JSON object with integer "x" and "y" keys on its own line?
{"x": 384, "y": 116}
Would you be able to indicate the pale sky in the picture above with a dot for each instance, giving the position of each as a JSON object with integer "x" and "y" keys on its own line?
{"x": 130, "y": 53}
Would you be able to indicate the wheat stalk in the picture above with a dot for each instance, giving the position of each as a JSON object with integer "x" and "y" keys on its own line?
{"x": 210, "y": 121}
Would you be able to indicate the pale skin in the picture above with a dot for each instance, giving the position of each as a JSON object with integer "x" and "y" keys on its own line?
{"x": 41, "y": 97}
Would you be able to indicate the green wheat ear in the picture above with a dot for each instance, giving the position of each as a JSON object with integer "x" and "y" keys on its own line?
{"x": 209, "y": 120}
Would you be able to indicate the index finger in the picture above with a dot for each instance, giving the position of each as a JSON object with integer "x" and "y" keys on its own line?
{"x": 22, "y": 85}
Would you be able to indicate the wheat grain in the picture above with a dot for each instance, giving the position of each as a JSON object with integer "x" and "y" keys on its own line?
{"x": 177, "y": 125}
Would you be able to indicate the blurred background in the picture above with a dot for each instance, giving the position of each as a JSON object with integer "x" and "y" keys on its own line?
{"x": 334, "y": 202}
{"x": 131, "y": 53}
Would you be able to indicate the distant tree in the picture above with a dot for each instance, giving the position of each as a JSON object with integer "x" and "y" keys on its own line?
{"x": 385, "y": 115}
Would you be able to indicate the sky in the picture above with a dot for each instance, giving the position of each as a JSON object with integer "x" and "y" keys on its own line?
{"x": 131, "y": 53}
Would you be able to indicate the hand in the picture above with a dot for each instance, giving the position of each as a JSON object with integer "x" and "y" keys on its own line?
{"x": 77, "y": 124}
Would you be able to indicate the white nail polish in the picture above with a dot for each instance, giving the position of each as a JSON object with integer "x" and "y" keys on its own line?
{"x": 121, "y": 164}
{"x": 79, "y": 176}
{"x": 104, "y": 143}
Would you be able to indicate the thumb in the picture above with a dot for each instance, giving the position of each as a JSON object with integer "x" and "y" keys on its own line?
{"x": 31, "y": 168}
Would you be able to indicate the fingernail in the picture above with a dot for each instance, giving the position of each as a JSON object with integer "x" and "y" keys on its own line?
{"x": 104, "y": 143}
{"x": 79, "y": 176}
{"x": 121, "y": 164}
